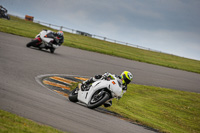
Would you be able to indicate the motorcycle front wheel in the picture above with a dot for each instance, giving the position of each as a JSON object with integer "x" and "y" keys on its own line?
{"x": 32, "y": 43}
{"x": 73, "y": 96}
{"x": 98, "y": 99}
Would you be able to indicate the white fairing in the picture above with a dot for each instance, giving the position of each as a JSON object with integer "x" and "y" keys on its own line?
{"x": 42, "y": 36}
{"x": 116, "y": 89}
{"x": 55, "y": 46}
{"x": 112, "y": 86}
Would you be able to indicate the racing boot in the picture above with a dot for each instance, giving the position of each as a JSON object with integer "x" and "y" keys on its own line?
{"x": 107, "y": 104}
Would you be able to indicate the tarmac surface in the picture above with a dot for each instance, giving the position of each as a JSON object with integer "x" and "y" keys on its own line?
{"x": 21, "y": 94}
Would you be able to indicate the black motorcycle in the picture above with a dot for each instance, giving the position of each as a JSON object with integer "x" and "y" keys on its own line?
{"x": 3, "y": 13}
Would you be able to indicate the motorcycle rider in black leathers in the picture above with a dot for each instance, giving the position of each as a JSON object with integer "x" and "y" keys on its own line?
{"x": 2, "y": 9}
{"x": 3, "y": 12}
{"x": 58, "y": 37}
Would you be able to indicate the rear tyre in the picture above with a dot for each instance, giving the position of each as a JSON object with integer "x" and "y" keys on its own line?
{"x": 73, "y": 96}
{"x": 32, "y": 43}
{"x": 97, "y": 100}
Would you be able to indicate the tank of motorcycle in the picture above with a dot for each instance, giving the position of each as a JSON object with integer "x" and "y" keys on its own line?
{"x": 43, "y": 33}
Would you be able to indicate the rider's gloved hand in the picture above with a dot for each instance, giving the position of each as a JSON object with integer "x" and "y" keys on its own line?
{"x": 56, "y": 40}
{"x": 105, "y": 75}
{"x": 124, "y": 88}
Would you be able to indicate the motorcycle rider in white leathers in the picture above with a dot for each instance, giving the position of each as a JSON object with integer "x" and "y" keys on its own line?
{"x": 58, "y": 37}
{"x": 125, "y": 78}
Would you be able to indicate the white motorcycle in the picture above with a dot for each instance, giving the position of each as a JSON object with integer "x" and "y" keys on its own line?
{"x": 45, "y": 39}
{"x": 97, "y": 93}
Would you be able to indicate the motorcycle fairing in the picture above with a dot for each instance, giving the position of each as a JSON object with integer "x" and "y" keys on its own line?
{"x": 43, "y": 33}
{"x": 85, "y": 96}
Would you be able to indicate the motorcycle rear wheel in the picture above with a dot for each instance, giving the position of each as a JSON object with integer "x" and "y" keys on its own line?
{"x": 73, "y": 96}
{"x": 32, "y": 43}
{"x": 96, "y": 102}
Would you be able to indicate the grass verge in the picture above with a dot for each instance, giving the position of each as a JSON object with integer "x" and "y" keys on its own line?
{"x": 11, "y": 123}
{"x": 29, "y": 29}
{"x": 164, "y": 109}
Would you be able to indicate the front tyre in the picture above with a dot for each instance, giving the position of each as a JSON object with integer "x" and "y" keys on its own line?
{"x": 73, "y": 96}
{"x": 98, "y": 99}
{"x": 32, "y": 43}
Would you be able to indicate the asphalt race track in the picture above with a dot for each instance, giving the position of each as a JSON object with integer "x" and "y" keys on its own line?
{"x": 22, "y": 95}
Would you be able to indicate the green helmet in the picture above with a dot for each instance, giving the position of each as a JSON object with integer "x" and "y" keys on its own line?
{"x": 126, "y": 77}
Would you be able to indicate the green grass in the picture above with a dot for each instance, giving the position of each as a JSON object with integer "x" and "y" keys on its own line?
{"x": 164, "y": 109}
{"x": 11, "y": 123}
{"x": 29, "y": 29}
